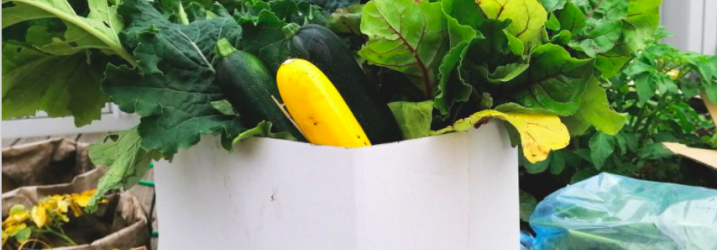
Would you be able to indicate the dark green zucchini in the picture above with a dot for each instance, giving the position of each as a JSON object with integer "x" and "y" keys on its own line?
{"x": 249, "y": 87}
{"x": 323, "y": 48}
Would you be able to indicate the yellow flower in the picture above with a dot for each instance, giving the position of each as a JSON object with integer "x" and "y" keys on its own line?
{"x": 83, "y": 198}
{"x": 4, "y": 237}
{"x": 17, "y": 214}
{"x": 40, "y": 216}
{"x": 60, "y": 203}
{"x": 12, "y": 230}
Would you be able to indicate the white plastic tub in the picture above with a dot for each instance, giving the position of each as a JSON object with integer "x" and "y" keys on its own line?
{"x": 450, "y": 192}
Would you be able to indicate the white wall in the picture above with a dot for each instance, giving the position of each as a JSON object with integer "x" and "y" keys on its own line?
{"x": 694, "y": 23}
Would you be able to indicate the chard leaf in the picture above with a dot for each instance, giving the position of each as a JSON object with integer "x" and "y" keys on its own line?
{"x": 539, "y": 134}
{"x": 413, "y": 118}
{"x": 495, "y": 59}
{"x": 406, "y": 36}
{"x": 126, "y": 160}
{"x": 595, "y": 110}
{"x": 346, "y": 20}
{"x": 461, "y": 15}
{"x": 554, "y": 82}
{"x": 571, "y": 18}
{"x": 59, "y": 85}
{"x": 643, "y": 19}
{"x": 174, "y": 86}
{"x": 97, "y": 31}
{"x": 528, "y": 17}
{"x": 552, "y": 5}
{"x": 263, "y": 129}
{"x": 331, "y": 5}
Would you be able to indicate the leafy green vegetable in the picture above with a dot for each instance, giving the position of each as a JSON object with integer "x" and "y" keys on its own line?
{"x": 58, "y": 85}
{"x": 56, "y": 65}
{"x": 406, "y": 36}
{"x": 595, "y": 110}
{"x": 224, "y": 107}
{"x": 263, "y": 129}
{"x": 172, "y": 90}
{"x": 554, "y": 82}
{"x": 331, "y": 5}
{"x": 346, "y": 20}
{"x": 528, "y": 18}
{"x": 414, "y": 119}
{"x": 98, "y": 30}
{"x": 127, "y": 163}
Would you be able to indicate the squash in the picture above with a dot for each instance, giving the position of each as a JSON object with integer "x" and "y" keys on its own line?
{"x": 317, "y": 107}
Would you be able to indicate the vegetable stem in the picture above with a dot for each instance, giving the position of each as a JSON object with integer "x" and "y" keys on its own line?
{"x": 290, "y": 30}
{"x": 181, "y": 14}
{"x": 224, "y": 48}
{"x": 113, "y": 45}
{"x": 61, "y": 236}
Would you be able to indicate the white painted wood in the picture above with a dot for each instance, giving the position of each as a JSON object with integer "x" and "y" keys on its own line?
{"x": 709, "y": 45}
{"x": 457, "y": 191}
{"x": 694, "y": 24}
{"x": 112, "y": 120}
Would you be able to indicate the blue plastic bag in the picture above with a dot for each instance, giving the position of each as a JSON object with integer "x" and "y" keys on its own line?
{"x": 615, "y": 212}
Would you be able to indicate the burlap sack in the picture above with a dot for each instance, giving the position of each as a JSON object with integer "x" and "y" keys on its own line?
{"x": 122, "y": 223}
{"x": 62, "y": 166}
{"x": 48, "y": 162}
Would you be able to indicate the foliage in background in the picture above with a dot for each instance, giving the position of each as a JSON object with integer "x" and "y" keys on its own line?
{"x": 47, "y": 219}
{"x": 660, "y": 91}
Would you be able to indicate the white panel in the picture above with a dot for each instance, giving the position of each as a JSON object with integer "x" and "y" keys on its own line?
{"x": 709, "y": 45}
{"x": 684, "y": 18}
{"x": 112, "y": 120}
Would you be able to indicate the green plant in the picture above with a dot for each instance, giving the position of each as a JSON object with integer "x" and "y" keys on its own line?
{"x": 660, "y": 91}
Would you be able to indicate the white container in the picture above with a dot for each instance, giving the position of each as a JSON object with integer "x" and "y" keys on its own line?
{"x": 450, "y": 192}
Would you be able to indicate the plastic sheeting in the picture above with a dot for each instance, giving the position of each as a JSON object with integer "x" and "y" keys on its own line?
{"x": 615, "y": 212}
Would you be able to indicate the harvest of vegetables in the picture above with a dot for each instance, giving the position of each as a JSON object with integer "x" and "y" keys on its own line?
{"x": 334, "y": 72}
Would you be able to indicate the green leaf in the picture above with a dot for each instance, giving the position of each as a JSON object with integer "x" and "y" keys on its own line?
{"x": 583, "y": 174}
{"x": 98, "y": 30}
{"x": 414, "y": 118}
{"x": 527, "y": 205}
{"x": 59, "y": 85}
{"x": 645, "y": 88}
{"x": 406, "y": 36}
{"x": 495, "y": 58}
{"x": 553, "y": 23}
{"x": 260, "y": 29}
{"x": 535, "y": 168}
{"x": 346, "y": 20}
{"x": 528, "y": 17}
{"x": 23, "y": 235}
{"x": 224, "y": 107}
{"x": 571, "y": 18}
{"x": 603, "y": 19}
{"x": 552, "y": 5}
{"x": 610, "y": 63}
{"x": 654, "y": 151}
{"x": 601, "y": 147}
{"x": 263, "y": 129}
{"x": 174, "y": 89}
{"x": 595, "y": 110}
{"x": 460, "y": 15}
{"x": 127, "y": 163}
{"x": 554, "y": 81}
{"x": 626, "y": 141}
{"x": 643, "y": 19}
{"x": 557, "y": 162}
{"x": 331, "y": 5}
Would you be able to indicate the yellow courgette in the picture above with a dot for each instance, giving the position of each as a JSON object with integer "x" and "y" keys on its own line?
{"x": 317, "y": 107}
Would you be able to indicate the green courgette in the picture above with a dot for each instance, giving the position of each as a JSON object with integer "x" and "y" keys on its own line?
{"x": 250, "y": 88}
{"x": 323, "y": 48}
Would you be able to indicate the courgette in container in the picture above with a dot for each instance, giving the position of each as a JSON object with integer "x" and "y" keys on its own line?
{"x": 317, "y": 107}
{"x": 250, "y": 88}
{"x": 326, "y": 51}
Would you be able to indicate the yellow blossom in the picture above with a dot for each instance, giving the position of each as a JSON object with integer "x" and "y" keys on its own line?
{"x": 40, "y": 216}
{"x": 83, "y": 198}
{"x": 17, "y": 214}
